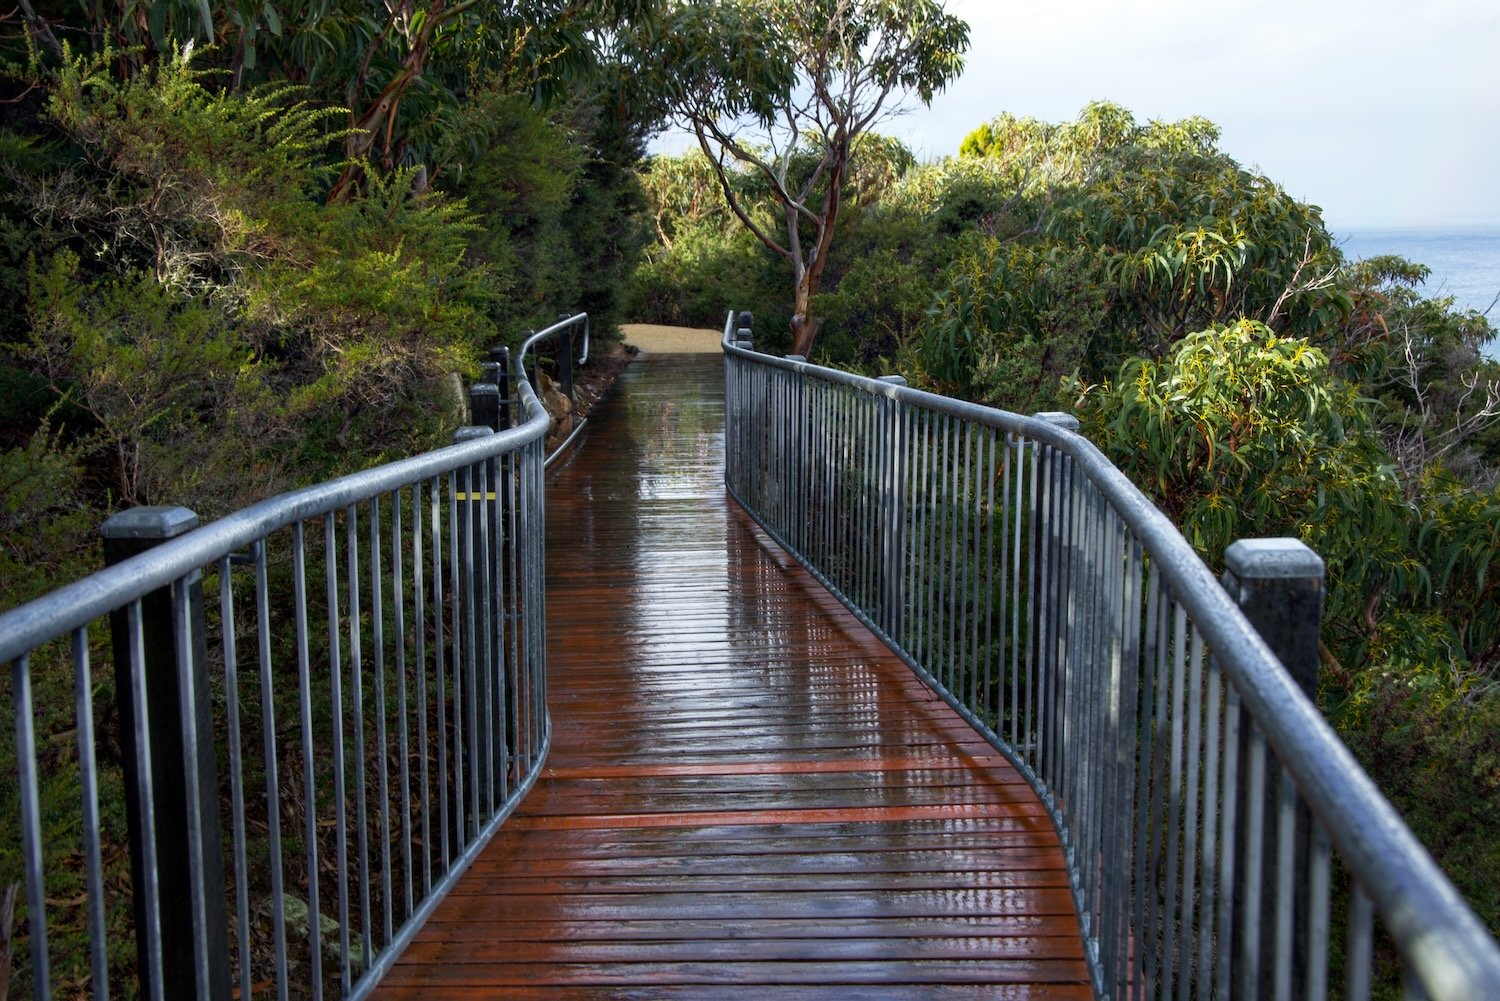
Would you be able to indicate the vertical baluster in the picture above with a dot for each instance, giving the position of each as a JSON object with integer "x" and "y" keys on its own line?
{"x": 459, "y": 558}
{"x": 467, "y": 667}
{"x": 31, "y": 824}
{"x": 1211, "y": 885}
{"x": 340, "y": 802}
{"x": 236, "y": 775}
{"x": 357, "y": 696}
{"x": 1041, "y": 634}
{"x": 309, "y": 786}
{"x": 1143, "y": 899}
{"x": 985, "y": 658}
{"x": 275, "y": 862}
{"x": 1319, "y": 865}
{"x": 440, "y": 686}
{"x": 1032, "y": 567}
{"x": 1286, "y": 829}
{"x": 485, "y": 710}
{"x": 1096, "y": 697}
{"x": 188, "y": 681}
{"x": 523, "y": 713}
{"x": 966, "y": 557}
{"x": 1249, "y": 953}
{"x": 1190, "y": 796}
{"x": 500, "y": 543}
{"x": 922, "y": 604}
{"x": 1019, "y": 592}
{"x": 1359, "y": 950}
{"x": 1228, "y": 849}
{"x": 1125, "y": 739}
{"x": 1176, "y": 794}
{"x": 88, "y": 782}
{"x": 419, "y": 627}
{"x": 382, "y": 753}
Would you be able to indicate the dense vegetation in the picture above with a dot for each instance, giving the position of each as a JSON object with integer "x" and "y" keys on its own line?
{"x": 240, "y": 267}
{"x": 1218, "y": 346}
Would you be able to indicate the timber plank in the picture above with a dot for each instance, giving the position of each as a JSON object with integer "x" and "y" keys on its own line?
{"x": 747, "y": 793}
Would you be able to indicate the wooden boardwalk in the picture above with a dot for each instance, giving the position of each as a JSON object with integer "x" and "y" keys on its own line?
{"x": 747, "y": 793}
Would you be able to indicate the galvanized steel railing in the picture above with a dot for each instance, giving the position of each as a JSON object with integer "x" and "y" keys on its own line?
{"x": 348, "y": 751}
{"x": 1220, "y": 839}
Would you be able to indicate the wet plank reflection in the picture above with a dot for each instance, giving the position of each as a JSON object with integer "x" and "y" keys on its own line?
{"x": 747, "y": 793}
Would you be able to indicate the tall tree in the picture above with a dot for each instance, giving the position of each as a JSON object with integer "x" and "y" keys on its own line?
{"x": 776, "y": 93}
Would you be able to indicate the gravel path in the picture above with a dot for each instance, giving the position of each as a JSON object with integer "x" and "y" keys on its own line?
{"x": 656, "y": 338}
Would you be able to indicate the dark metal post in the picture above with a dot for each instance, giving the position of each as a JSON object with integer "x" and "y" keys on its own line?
{"x": 744, "y": 337}
{"x": 744, "y": 333}
{"x": 127, "y": 534}
{"x": 1278, "y": 584}
{"x": 484, "y": 403}
{"x": 536, "y": 366}
{"x": 501, "y": 357}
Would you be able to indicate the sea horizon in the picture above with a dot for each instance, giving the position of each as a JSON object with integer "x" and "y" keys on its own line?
{"x": 1464, "y": 260}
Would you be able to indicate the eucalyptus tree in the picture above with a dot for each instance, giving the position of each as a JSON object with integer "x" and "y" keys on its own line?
{"x": 781, "y": 90}
{"x": 405, "y": 70}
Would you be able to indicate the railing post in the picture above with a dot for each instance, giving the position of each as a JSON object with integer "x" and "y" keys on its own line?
{"x": 1278, "y": 584}
{"x": 500, "y": 358}
{"x": 746, "y": 465}
{"x": 177, "y": 755}
{"x": 744, "y": 333}
{"x": 536, "y": 365}
{"x": 496, "y": 374}
{"x": 484, "y": 404}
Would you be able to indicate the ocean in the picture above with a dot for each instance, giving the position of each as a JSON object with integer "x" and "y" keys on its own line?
{"x": 1465, "y": 263}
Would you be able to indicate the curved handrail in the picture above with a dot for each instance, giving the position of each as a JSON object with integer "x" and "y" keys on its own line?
{"x": 58, "y": 612}
{"x": 1445, "y": 944}
{"x": 556, "y": 328}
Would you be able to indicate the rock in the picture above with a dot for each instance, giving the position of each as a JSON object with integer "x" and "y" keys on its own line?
{"x": 453, "y": 399}
{"x": 557, "y": 404}
{"x": 294, "y": 911}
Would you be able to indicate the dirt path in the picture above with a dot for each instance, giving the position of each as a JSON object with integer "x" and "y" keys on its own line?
{"x": 657, "y": 338}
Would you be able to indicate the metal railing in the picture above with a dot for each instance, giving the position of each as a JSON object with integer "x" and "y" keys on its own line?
{"x": 304, "y": 766}
{"x": 1221, "y": 841}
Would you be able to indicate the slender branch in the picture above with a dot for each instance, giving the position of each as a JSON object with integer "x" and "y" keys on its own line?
{"x": 721, "y": 172}
{"x": 1293, "y": 288}
{"x": 41, "y": 29}
{"x": 776, "y": 175}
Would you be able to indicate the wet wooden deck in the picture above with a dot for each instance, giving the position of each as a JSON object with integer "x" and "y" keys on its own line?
{"x": 747, "y": 793}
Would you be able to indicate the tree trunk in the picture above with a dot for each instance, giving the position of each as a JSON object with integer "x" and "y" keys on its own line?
{"x": 804, "y": 324}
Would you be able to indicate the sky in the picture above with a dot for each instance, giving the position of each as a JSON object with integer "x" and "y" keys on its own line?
{"x": 1384, "y": 114}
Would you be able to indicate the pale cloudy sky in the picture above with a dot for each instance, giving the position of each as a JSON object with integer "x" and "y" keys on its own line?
{"x": 1384, "y": 113}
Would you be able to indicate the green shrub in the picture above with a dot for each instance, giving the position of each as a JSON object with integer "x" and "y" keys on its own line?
{"x": 1013, "y": 320}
